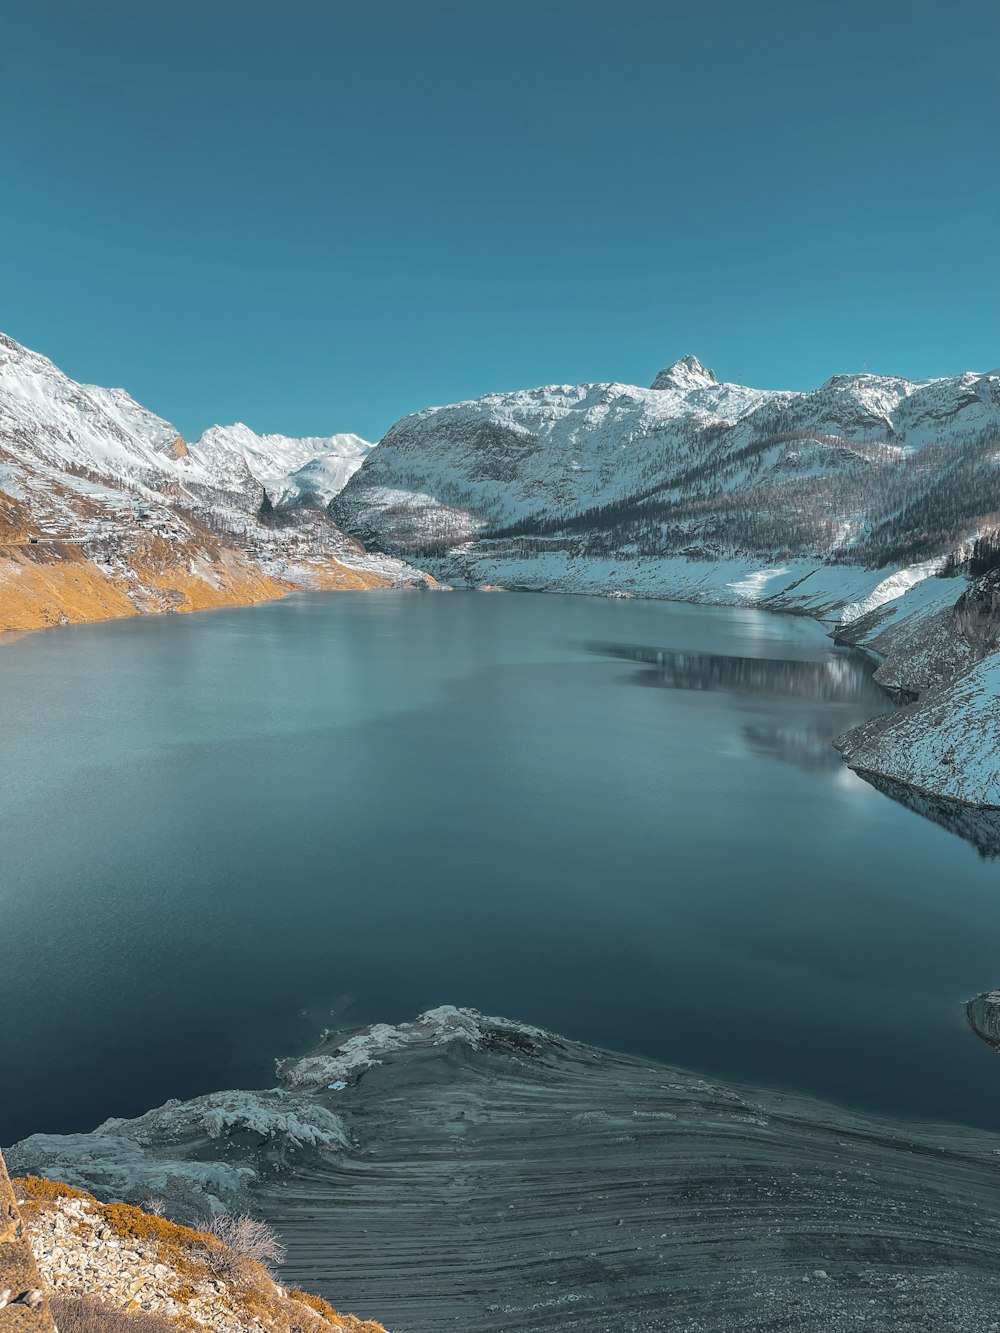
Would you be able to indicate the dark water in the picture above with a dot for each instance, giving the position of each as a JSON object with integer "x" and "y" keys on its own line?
{"x": 216, "y": 829}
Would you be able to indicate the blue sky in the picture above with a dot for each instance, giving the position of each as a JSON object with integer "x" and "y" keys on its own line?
{"x": 318, "y": 216}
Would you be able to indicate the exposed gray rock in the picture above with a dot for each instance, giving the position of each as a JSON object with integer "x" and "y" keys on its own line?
{"x": 983, "y": 1013}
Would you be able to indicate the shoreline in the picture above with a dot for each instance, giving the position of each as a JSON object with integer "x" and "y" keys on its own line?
{"x": 379, "y": 584}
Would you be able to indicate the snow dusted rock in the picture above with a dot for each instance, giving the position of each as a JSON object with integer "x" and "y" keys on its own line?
{"x": 199, "y": 1155}
{"x": 687, "y": 373}
{"x": 117, "y": 1167}
{"x": 341, "y": 1060}
{"x": 915, "y": 636}
{"x": 278, "y": 1119}
{"x": 947, "y": 744}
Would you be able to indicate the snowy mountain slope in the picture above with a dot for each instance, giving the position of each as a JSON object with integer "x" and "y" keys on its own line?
{"x": 105, "y": 510}
{"x": 865, "y": 469}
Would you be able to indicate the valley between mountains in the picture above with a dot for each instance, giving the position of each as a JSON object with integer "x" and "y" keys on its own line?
{"x": 872, "y": 503}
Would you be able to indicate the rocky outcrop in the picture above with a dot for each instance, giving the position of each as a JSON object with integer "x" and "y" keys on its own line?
{"x": 983, "y": 1015}
{"x": 947, "y": 744}
{"x": 125, "y": 1259}
{"x": 497, "y": 1178}
{"x": 687, "y": 373}
{"x": 942, "y": 652}
{"x": 24, "y": 1307}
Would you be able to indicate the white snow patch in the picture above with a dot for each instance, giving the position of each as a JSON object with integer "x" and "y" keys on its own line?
{"x": 892, "y": 587}
{"x": 751, "y": 588}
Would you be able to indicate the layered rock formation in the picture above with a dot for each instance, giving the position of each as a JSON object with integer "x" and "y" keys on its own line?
{"x": 485, "y": 1174}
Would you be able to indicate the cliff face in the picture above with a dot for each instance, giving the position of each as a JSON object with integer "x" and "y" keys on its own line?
{"x": 105, "y": 511}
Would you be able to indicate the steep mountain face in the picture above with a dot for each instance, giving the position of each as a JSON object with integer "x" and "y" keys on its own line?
{"x": 106, "y": 511}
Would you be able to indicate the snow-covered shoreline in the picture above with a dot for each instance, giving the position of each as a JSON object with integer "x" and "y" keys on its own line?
{"x": 941, "y": 743}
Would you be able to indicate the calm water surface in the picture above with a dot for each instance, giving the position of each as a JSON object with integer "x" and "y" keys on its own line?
{"x": 621, "y": 820}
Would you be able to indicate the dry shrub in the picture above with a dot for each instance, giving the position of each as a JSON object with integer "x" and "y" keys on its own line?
{"x": 85, "y": 1314}
{"x": 249, "y": 1237}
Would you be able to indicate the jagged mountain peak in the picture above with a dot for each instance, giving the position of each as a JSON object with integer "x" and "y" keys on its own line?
{"x": 687, "y": 373}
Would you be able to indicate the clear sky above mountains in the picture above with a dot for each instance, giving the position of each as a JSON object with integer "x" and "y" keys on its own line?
{"x": 316, "y": 217}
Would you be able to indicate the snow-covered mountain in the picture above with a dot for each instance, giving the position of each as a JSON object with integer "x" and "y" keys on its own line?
{"x": 866, "y": 469}
{"x": 310, "y": 470}
{"x": 105, "y": 510}
{"x": 870, "y": 501}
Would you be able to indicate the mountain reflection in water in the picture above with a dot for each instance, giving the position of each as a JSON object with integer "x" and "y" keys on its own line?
{"x": 808, "y": 744}
{"x": 806, "y": 741}
{"x": 840, "y": 678}
{"x": 980, "y": 827}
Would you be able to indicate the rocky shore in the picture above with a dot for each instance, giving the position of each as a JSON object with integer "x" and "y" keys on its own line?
{"x": 479, "y": 1173}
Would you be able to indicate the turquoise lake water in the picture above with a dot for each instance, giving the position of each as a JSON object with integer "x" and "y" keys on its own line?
{"x": 623, "y": 820}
